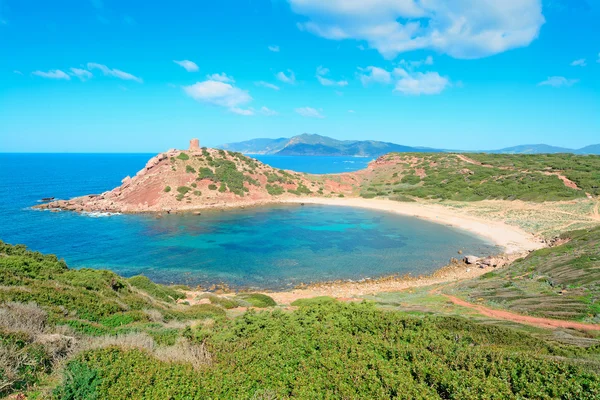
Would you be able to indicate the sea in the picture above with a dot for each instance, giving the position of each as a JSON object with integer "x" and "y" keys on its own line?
{"x": 271, "y": 248}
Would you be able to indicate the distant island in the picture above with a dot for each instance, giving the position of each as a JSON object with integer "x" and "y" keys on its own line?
{"x": 318, "y": 145}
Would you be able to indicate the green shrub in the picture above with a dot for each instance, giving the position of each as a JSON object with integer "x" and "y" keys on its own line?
{"x": 189, "y": 169}
{"x": 257, "y": 300}
{"x": 161, "y": 292}
{"x": 224, "y": 302}
{"x": 183, "y": 156}
{"x": 212, "y": 186}
{"x": 274, "y": 190}
{"x": 183, "y": 190}
{"x": 222, "y": 188}
{"x": 167, "y": 189}
{"x": 404, "y": 199}
{"x": 197, "y": 193}
{"x": 313, "y": 301}
{"x": 205, "y": 173}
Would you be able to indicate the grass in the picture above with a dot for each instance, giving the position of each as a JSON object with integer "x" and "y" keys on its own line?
{"x": 256, "y": 300}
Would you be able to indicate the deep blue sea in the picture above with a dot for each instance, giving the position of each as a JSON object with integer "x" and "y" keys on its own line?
{"x": 271, "y": 248}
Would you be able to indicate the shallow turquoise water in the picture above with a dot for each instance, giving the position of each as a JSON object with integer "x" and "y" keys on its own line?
{"x": 271, "y": 248}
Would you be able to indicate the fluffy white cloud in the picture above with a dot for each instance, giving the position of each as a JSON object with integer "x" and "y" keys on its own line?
{"x": 17, "y": 72}
{"x": 309, "y": 112}
{"x": 274, "y": 49}
{"x": 598, "y": 58}
{"x": 460, "y": 28}
{"x": 53, "y": 74}
{"x": 579, "y": 63}
{"x": 267, "y": 85}
{"x": 321, "y": 72}
{"x": 188, "y": 65}
{"x": 222, "y": 77}
{"x": 374, "y": 75}
{"x": 114, "y": 72}
{"x": 268, "y": 112}
{"x": 286, "y": 78}
{"x": 82, "y": 74}
{"x": 418, "y": 83}
{"x": 558, "y": 81}
{"x": 220, "y": 94}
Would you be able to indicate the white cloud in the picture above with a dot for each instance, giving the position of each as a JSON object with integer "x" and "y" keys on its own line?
{"x": 558, "y": 81}
{"x": 53, "y": 74}
{"x": 418, "y": 83}
{"x": 222, "y": 77}
{"x": 289, "y": 78}
{"x": 189, "y": 66}
{"x": 274, "y": 49}
{"x": 242, "y": 111}
{"x": 579, "y": 63}
{"x": 460, "y": 28}
{"x": 374, "y": 75}
{"x": 17, "y": 72}
{"x": 598, "y": 58}
{"x": 114, "y": 72}
{"x": 321, "y": 72}
{"x": 267, "y": 85}
{"x": 418, "y": 63}
{"x": 309, "y": 112}
{"x": 268, "y": 112}
{"x": 351, "y": 111}
{"x": 220, "y": 94}
{"x": 82, "y": 74}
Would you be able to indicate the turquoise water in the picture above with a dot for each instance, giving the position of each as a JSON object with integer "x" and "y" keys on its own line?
{"x": 272, "y": 248}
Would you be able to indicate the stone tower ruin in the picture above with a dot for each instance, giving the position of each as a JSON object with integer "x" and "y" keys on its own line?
{"x": 194, "y": 145}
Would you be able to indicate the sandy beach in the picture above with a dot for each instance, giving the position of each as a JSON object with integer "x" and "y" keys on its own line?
{"x": 516, "y": 243}
{"x": 511, "y": 238}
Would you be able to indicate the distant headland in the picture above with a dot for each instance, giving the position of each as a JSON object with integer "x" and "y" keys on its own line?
{"x": 318, "y": 145}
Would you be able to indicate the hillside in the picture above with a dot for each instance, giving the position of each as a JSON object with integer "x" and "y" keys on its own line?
{"x": 317, "y": 145}
{"x": 68, "y": 335}
{"x": 207, "y": 178}
{"x": 202, "y": 178}
{"x": 561, "y": 282}
{"x": 475, "y": 177}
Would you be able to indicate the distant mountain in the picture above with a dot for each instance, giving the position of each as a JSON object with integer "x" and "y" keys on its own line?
{"x": 317, "y": 145}
{"x": 546, "y": 149}
{"x": 591, "y": 149}
{"x": 532, "y": 149}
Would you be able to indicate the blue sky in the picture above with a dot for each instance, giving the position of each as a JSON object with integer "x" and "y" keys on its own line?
{"x": 138, "y": 76}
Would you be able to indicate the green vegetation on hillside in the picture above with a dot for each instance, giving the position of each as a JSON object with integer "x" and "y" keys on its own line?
{"x": 114, "y": 338}
{"x": 448, "y": 177}
{"x": 561, "y": 282}
{"x": 583, "y": 170}
{"x": 341, "y": 351}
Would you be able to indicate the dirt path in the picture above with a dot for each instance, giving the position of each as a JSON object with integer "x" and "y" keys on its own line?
{"x": 567, "y": 182}
{"x": 596, "y": 213}
{"x": 523, "y": 319}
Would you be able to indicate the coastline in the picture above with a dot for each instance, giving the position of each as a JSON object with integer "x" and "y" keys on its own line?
{"x": 516, "y": 243}
{"x": 512, "y": 239}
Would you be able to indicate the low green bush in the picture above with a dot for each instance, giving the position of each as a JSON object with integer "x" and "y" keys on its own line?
{"x": 313, "y": 301}
{"x": 183, "y": 156}
{"x": 257, "y": 300}
{"x": 167, "y": 189}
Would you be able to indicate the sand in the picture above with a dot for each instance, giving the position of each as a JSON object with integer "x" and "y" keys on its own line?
{"x": 513, "y": 239}
{"x": 515, "y": 242}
